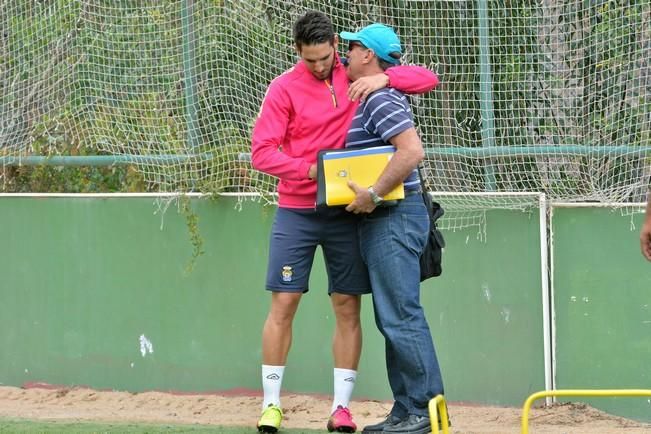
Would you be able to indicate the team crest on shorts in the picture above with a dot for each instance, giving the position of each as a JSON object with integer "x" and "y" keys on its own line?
{"x": 287, "y": 273}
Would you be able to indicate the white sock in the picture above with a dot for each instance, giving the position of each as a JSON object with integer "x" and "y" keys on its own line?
{"x": 344, "y": 385}
{"x": 272, "y": 379}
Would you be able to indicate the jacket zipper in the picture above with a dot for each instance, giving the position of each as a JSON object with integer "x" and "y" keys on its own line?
{"x": 332, "y": 93}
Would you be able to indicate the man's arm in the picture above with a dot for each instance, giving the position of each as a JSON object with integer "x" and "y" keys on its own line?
{"x": 409, "y": 153}
{"x": 645, "y": 233}
{"x": 268, "y": 135}
{"x": 410, "y": 79}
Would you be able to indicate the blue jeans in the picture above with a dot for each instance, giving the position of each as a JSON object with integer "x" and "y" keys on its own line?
{"x": 391, "y": 240}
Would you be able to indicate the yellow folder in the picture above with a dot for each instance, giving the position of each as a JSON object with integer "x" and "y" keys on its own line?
{"x": 361, "y": 165}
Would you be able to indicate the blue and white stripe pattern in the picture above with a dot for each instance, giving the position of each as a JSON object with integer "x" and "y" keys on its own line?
{"x": 384, "y": 114}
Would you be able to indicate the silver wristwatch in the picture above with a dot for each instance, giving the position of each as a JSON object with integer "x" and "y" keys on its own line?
{"x": 377, "y": 200}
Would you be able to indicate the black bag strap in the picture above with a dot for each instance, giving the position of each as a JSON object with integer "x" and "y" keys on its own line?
{"x": 422, "y": 182}
{"x": 434, "y": 209}
{"x": 427, "y": 199}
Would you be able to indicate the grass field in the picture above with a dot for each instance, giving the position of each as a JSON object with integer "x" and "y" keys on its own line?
{"x": 26, "y": 426}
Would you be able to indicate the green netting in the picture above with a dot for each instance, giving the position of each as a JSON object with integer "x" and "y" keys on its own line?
{"x": 536, "y": 96}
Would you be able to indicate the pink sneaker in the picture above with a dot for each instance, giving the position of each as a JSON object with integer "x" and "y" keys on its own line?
{"x": 341, "y": 421}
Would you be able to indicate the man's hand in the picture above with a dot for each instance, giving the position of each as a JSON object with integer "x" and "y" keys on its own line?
{"x": 363, "y": 202}
{"x": 363, "y": 86}
{"x": 312, "y": 172}
{"x": 645, "y": 239}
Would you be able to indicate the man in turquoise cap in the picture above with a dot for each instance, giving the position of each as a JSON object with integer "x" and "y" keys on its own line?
{"x": 392, "y": 238}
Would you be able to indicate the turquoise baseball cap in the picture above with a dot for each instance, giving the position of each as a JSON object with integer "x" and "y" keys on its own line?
{"x": 379, "y": 38}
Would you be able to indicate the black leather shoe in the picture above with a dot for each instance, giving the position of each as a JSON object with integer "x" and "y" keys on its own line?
{"x": 412, "y": 425}
{"x": 379, "y": 428}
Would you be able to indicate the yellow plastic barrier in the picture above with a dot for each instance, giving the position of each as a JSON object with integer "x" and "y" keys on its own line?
{"x": 437, "y": 405}
{"x": 575, "y": 392}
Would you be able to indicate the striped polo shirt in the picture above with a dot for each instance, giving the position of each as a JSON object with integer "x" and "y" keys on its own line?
{"x": 384, "y": 114}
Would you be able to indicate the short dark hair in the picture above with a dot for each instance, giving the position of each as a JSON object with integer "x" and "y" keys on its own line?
{"x": 313, "y": 28}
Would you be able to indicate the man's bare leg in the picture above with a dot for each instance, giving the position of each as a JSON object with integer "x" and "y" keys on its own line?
{"x": 276, "y": 341}
{"x": 346, "y": 346}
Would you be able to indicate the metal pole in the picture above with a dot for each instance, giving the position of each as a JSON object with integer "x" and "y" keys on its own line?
{"x": 449, "y": 151}
{"x": 189, "y": 84}
{"x": 486, "y": 91}
{"x": 547, "y": 305}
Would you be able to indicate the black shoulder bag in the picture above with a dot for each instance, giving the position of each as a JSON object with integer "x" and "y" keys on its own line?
{"x": 430, "y": 259}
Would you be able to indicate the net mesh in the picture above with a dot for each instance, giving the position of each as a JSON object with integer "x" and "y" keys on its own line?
{"x": 544, "y": 96}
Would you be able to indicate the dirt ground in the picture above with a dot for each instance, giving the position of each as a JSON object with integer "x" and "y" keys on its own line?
{"x": 242, "y": 408}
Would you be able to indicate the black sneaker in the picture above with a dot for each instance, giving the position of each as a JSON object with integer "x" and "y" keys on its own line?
{"x": 379, "y": 428}
{"x": 412, "y": 425}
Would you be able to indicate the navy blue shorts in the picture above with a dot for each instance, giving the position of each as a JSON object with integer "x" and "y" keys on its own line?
{"x": 294, "y": 237}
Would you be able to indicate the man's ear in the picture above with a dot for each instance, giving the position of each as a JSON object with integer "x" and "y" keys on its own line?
{"x": 369, "y": 55}
{"x": 335, "y": 41}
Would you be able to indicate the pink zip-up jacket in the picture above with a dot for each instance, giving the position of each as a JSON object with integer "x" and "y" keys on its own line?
{"x": 301, "y": 115}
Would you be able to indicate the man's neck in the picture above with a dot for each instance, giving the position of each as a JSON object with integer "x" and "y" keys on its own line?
{"x": 372, "y": 70}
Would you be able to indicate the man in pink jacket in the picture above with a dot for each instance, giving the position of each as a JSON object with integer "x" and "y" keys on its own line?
{"x": 306, "y": 109}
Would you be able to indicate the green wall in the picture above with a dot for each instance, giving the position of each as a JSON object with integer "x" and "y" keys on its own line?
{"x": 602, "y": 299}
{"x": 84, "y": 278}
